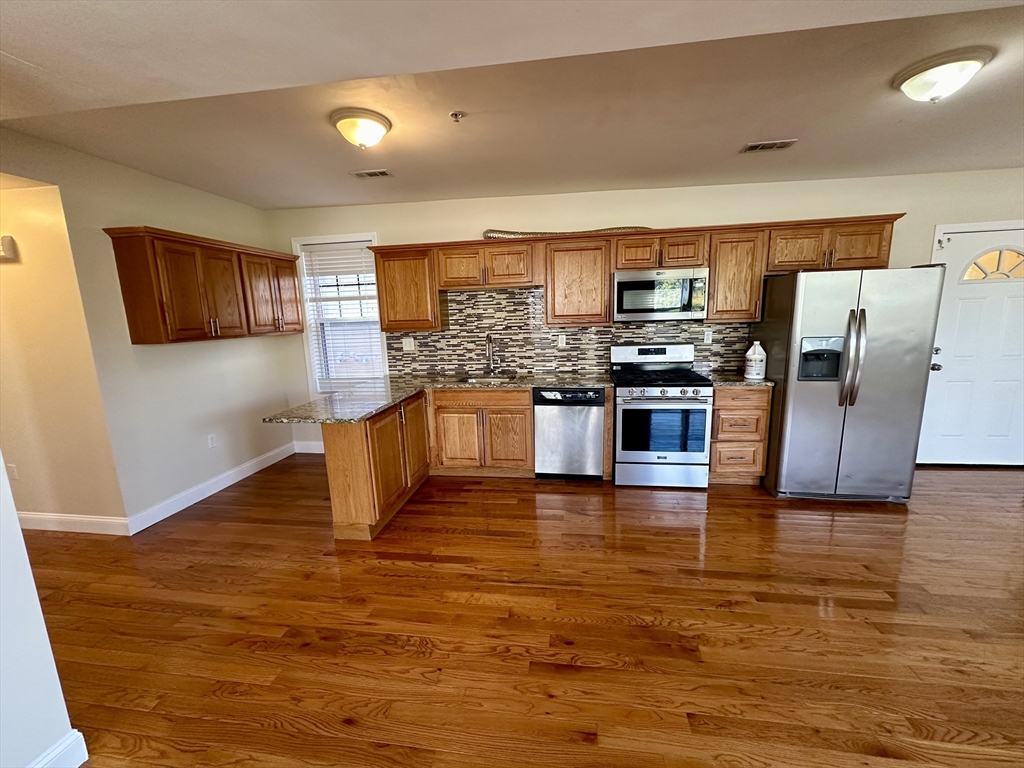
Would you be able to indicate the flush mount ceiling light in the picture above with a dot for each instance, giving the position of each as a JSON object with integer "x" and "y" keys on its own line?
{"x": 361, "y": 127}
{"x": 939, "y": 76}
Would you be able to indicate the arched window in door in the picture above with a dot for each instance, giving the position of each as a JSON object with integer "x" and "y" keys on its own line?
{"x": 1004, "y": 264}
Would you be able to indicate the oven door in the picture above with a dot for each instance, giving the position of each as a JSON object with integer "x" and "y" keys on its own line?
{"x": 667, "y": 294}
{"x": 669, "y": 431}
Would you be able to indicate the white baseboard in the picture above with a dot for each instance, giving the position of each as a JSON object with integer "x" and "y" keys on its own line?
{"x": 309, "y": 446}
{"x": 69, "y": 752}
{"x": 56, "y": 521}
{"x": 147, "y": 517}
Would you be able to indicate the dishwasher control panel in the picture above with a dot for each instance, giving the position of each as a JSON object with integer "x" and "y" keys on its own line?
{"x": 567, "y": 396}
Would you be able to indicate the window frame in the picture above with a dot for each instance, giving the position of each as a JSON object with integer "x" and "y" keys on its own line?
{"x": 298, "y": 243}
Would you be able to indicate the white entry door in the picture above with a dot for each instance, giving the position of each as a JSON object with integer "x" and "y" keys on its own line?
{"x": 974, "y": 410}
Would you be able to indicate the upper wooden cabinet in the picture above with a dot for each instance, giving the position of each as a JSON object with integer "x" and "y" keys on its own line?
{"x": 407, "y": 292}
{"x": 179, "y": 287}
{"x": 861, "y": 245}
{"x": 272, "y": 295}
{"x": 736, "y": 276}
{"x": 683, "y": 250}
{"x": 495, "y": 265}
{"x": 578, "y": 283}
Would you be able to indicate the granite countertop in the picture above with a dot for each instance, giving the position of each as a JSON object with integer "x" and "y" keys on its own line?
{"x": 360, "y": 401}
{"x": 734, "y": 379}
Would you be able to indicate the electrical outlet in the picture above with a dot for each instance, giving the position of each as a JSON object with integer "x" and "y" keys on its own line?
{"x": 707, "y": 337}
{"x": 12, "y": 471}
{"x": 408, "y": 344}
{"x": 561, "y": 340}
{"x": 211, "y": 441}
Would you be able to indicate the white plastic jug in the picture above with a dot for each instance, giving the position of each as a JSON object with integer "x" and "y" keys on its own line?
{"x": 757, "y": 360}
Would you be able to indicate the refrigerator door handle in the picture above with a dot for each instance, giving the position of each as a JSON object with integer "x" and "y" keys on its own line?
{"x": 862, "y": 348}
{"x": 850, "y": 349}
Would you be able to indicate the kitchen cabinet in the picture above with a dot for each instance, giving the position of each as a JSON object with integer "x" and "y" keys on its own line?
{"x": 272, "y": 295}
{"x": 494, "y": 265}
{"x": 739, "y": 434}
{"x": 374, "y": 466}
{"x": 578, "y": 286}
{"x": 669, "y": 251}
{"x": 178, "y": 287}
{"x": 735, "y": 281}
{"x": 407, "y": 294}
{"x": 862, "y": 245}
{"x": 483, "y": 432}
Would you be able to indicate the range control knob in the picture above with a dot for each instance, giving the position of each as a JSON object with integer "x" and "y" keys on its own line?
{"x": 696, "y": 391}
{"x": 632, "y": 392}
{"x": 664, "y": 392}
{"x": 643, "y": 392}
{"x": 683, "y": 391}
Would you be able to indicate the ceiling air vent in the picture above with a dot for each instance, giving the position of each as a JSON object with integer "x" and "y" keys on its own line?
{"x": 370, "y": 174}
{"x": 767, "y": 146}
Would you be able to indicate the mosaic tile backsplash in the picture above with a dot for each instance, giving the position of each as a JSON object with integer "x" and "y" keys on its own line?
{"x": 522, "y": 343}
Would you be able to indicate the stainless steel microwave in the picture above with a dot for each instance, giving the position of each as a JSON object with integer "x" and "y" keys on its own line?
{"x": 661, "y": 294}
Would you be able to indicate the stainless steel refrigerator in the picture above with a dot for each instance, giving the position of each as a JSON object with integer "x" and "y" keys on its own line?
{"x": 849, "y": 353}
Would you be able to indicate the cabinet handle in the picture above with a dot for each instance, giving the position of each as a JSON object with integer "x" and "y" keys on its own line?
{"x": 212, "y": 332}
{"x": 401, "y": 413}
{"x": 216, "y": 321}
{"x": 485, "y": 275}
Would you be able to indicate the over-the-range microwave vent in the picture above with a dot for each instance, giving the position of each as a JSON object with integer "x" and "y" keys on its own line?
{"x": 374, "y": 174}
{"x": 767, "y": 146}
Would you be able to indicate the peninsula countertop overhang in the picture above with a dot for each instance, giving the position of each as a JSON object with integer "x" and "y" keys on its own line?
{"x": 361, "y": 401}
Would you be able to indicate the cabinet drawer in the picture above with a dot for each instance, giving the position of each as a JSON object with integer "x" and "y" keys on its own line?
{"x": 739, "y": 425}
{"x": 742, "y": 398}
{"x": 741, "y": 458}
{"x": 481, "y": 397}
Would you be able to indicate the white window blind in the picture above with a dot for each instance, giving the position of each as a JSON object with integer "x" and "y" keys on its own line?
{"x": 345, "y": 341}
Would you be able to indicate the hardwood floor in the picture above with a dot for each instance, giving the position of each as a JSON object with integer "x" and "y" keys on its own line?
{"x": 505, "y": 623}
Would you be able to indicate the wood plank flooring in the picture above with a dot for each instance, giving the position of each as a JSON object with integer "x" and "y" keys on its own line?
{"x": 505, "y": 623}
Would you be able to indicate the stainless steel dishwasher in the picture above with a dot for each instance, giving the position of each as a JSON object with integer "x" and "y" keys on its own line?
{"x": 568, "y": 431}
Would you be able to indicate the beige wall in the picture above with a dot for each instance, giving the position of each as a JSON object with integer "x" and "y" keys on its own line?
{"x": 52, "y": 423}
{"x": 162, "y": 401}
{"x": 930, "y": 199}
{"x": 33, "y": 716}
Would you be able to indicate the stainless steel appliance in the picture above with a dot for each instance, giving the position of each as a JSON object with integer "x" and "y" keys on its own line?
{"x": 663, "y": 294}
{"x": 849, "y": 354}
{"x": 662, "y": 416}
{"x": 568, "y": 431}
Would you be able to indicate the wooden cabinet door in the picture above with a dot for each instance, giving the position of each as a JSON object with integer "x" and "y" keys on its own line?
{"x": 222, "y": 277}
{"x": 685, "y": 250}
{"x": 407, "y": 291}
{"x": 860, "y": 246}
{"x": 742, "y": 426}
{"x": 738, "y": 458}
{"x": 387, "y": 460}
{"x": 508, "y": 265}
{"x": 636, "y": 252}
{"x": 790, "y": 250}
{"x": 260, "y": 294}
{"x": 578, "y": 289}
{"x": 508, "y": 437}
{"x": 289, "y": 300}
{"x": 181, "y": 285}
{"x": 460, "y": 267}
{"x": 417, "y": 450}
{"x": 459, "y": 442}
{"x": 736, "y": 276}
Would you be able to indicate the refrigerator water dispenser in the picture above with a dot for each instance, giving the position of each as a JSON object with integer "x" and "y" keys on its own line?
{"x": 820, "y": 358}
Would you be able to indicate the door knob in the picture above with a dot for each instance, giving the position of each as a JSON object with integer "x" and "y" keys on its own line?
{"x": 935, "y": 367}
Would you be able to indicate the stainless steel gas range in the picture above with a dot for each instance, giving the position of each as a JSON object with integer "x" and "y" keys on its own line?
{"x": 662, "y": 416}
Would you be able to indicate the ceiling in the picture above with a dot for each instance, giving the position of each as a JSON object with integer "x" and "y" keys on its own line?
{"x": 674, "y": 115}
{"x": 87, "y": 54}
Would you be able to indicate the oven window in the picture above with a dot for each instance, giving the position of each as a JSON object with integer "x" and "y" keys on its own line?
{"x": 664, "y": 431}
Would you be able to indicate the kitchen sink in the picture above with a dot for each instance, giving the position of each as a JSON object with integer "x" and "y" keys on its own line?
{"x": 487, "y": 379}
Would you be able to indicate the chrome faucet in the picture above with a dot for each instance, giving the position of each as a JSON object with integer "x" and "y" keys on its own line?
{"x": 490, "y": 355}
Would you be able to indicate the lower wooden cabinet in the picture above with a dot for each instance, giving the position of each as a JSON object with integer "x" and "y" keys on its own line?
{"x": 483, "y": 431}
{"x": 739, "y": 434}
{"x": 374, "y": 466}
